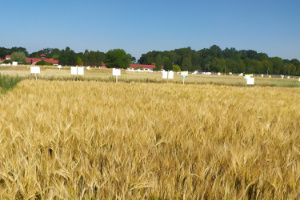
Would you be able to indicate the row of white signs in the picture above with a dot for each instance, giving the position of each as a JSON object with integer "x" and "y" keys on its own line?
{"x": 170, "y": 74}
{"x": 74, "y": 71}
{"x": 117, "y": 72}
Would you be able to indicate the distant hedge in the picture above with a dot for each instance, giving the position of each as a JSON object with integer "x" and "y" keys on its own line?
{"x": 42, "y": 62}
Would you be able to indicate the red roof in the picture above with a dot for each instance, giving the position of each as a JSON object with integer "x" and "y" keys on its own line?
{"x": 34, "y": 60}
{"x": 51, "y": 61}
{"x": 8, "y": 56}
{"x": 43, "y": 55}
{"x": 138, "y": 65}
{"x": 1, "y": 60}
{"x": 142, "y": 66}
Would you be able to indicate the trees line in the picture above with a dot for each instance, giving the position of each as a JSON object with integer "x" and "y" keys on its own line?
{"x": 212, "y": 59}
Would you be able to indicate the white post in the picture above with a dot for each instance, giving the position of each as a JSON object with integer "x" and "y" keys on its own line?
{"x": 183, "y": 80}
{"x": 116, "y": 79}
{"x": 35, "y": 77}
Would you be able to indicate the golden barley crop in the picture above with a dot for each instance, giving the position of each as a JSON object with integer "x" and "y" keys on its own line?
{"x": 92, "y": 140}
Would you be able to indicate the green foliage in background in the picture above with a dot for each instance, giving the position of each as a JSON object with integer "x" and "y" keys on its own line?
{"x": 19, "y": 57}
{"x": 42, "y": 62}
{"x": 117, "y": 58}
{"x": 176, "y": 68}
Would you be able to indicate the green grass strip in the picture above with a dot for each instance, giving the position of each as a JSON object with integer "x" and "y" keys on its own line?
{"x": 7, "y": 83}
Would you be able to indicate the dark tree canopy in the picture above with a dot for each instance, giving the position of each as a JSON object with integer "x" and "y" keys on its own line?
{"x": 117, "y": 58}
{"x": 215, "y": 59}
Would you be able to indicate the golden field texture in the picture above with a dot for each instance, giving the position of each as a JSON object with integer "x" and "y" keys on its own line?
{"x": 93, "y": 140}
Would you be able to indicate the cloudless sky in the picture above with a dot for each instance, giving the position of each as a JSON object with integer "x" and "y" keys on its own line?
{"x": 140, "y": 26}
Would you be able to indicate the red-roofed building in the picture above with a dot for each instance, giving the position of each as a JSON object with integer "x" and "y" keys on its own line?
{"x": 140, "y": 66}
{"x": 33, "y": 61}
{"x": 43, "y": 56}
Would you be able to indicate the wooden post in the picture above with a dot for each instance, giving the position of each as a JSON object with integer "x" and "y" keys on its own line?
{"x": 168, "y": 77}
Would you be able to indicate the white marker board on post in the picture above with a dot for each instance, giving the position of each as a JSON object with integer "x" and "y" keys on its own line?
{"x": 171, "y": 75}
{"x": 77, "y": 70}
{"x": 80, "y": 70}
{"x": 35, "y": 70}
{"x": 116, "y": 72}
{"x": 164, "y": 74}
{"x": 183, "y": 75}
{"x": 73, "y": 70}
{"x": 250, "y": 81}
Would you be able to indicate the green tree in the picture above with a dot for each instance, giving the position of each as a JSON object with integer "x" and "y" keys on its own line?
{"x": 266, "y": 67}
{"x": 79, "y": 61}
{"x": 218, "y": 65}
{"x": 176, "y": 68}
{"x": 19, "y": 57}
{"x": 187, "y": 64}
{"x": 18, "y": 49}
{"x": 277, "y": 65}
{"x": 117, "y": 58}
{"x": 158, "y": 62}
{"x": 67, "y": 57}
{"x": 3, "y": 52}
{"x": 297, "y": 65}
{"x": 290, "y": 69}
{"x": 167, "y": 63}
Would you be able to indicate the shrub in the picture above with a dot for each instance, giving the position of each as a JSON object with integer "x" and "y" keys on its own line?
{"x": 42, "y": 62}
{"x": 176, "y": 68}
{"x": 7, "y": 61}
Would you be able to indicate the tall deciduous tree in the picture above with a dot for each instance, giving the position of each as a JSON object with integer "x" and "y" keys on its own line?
{"x": 167, "y": 64}
{"x": 67, "y": 57}
{"x": 158, "y": 62}
{"x": 117, "y": 58}
{"x": 19, "y": 57}
{"x": 18, "y": 49}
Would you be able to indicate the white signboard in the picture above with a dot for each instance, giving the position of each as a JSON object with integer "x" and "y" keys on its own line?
{"x": 14, "y": 63}
{"x": 35, "y": 70}
{"x": 171, "y": 75}
{"x": 80, "y": 70}
{"x": 164, "y": 74}
{"x": 250, "y": 81}
{"x": 116, "y": 72}
{"x": 74, "y": 70}
{"x": 59, "y": 66}
{"x": 184, "y": 73}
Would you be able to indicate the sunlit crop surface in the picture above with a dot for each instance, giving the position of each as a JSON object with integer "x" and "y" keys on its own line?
{"x": 101, "y": 140}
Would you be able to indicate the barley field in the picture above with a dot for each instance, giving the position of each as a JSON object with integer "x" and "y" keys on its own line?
{"x": 102, "y": 140}
{"x": 105, "y": 75}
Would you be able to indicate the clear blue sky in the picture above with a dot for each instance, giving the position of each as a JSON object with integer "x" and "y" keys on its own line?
{"x": 139, "y": 26}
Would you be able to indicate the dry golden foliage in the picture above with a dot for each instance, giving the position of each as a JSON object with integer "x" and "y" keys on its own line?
{"x": 91, "y": 140}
